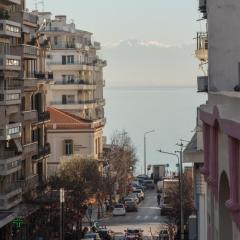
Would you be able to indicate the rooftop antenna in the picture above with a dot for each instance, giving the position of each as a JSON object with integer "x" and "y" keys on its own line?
{"x": 41, "y": 2}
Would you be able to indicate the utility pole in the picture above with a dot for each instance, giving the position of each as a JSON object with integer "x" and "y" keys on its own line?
{"x": 181, "y": 187}
{"x": 62, "y": 200}
{"x": 145, "y": 150}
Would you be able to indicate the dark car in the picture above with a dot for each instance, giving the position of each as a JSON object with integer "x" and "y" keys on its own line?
{"x": 131, "y": 206}
{"x": 149, "y": 184}
{"x": 104, "y": 234}
{"x": 134, "y": 234}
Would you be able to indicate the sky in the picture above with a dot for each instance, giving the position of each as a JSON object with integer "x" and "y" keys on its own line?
{"x": 138, "y": 28}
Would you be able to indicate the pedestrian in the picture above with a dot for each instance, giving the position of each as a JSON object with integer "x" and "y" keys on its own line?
{"x": 158, "y": 199}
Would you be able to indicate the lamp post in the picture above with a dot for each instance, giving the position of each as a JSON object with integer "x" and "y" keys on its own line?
{"x": 180, "y": 187}
{"x": 145, "y": 153}
{"x": 62, "y": 200}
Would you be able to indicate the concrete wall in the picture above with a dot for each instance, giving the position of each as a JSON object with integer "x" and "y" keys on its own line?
{"x": 224, "y": 44}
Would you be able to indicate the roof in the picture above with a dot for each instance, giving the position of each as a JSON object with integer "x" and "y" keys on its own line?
{"x": 192, "y": 145}
{"x": 63, "y": 120}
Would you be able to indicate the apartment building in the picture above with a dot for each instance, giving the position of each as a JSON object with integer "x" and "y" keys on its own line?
{"x": 77, "y": 70}
{"x": 219, "y": 119}
{"x": 77, "y": 81}
{"x": 23, "y": 147}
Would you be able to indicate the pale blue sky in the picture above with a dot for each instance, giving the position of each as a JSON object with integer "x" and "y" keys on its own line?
{"x": 168, "y": 21}
{"x": 161, "y": 47}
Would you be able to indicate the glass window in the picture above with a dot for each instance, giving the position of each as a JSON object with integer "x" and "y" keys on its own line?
{"x": 68, "y": 147}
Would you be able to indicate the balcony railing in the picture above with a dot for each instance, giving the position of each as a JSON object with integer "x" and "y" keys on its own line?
{"x": 202, "y": 46}
{"x": 202, "y": 83}
{"x": 10, "y": 97}
{"x": 43, "y": 151}
{"x": 30, "y": 148}
{"x": 30, "y": 115}
{"x": 43, "y": 116}
{"x": 9, "y": 188}
{"x": 10, "y": 28}
{"x": 9, "y": 162}
{"x": 76, "y": 81}
{"x": 97, "y": 45}
{"x": 11, "y": 131}
{"x": 10, "y": 62}
{"x": 27, "y": 51}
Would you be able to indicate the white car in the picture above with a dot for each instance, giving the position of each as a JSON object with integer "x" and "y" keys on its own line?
{"x": 119, "y": 210}
{"x": 140, "y": 193}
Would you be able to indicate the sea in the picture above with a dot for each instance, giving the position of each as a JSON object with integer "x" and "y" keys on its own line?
{"x": 171, "y": 112}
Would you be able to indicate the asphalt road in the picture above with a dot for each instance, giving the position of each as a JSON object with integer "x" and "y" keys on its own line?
{"x": 147, "y": 218}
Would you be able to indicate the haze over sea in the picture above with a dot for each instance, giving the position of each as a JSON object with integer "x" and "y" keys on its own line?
{"x": 170, "y": 111}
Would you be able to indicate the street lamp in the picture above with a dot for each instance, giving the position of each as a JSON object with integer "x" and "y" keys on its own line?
{"x": 145, "y": 153}
{"x": 180, "y": 186}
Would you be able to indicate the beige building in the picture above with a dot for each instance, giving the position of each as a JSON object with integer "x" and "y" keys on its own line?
{"x": 70, "y": 135}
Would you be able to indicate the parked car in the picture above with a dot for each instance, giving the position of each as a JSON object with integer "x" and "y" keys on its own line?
{"x": 131, "y": 206}
{"x": 164, "y": 235}
{"x": 140, "y": 193}
{"x": 118, "y": 236}
{"x": 134, "y": 234}
{"x": 149, "y": 184}
{"x": 134, "y": 196}
{"x": 92, "y": 235}
{"x": 119, "y": 210}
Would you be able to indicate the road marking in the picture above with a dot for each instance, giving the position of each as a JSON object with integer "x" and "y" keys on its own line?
{"x": 146, "y": 217}
{"x": 138, "y": 217}
{"x": 156, "y": 217}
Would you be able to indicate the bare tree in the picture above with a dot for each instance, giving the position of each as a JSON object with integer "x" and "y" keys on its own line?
{"x": 121, "y": 157}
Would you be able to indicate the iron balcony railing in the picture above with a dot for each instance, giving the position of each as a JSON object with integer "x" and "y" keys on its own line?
{"x": 43, "y": 151}
{"x": 43, "y": 116}
{"x": 76, "y": 81}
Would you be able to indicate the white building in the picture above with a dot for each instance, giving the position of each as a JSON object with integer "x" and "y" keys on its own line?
{"x": 75, "y": 68}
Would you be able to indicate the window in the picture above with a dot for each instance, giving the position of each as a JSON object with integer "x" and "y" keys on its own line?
{"x": 12, "y": 97}
{"x": 13, "y": 62}
{"x": 67, "y": 99}
{"x": 56, "y": 40}
{"x": 68, "y": 59}
{"x": 11, "y": 28}
{"x": 68, "y": 147}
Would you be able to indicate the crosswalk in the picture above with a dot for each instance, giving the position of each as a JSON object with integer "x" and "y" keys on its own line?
{"x": 142, "y": 218}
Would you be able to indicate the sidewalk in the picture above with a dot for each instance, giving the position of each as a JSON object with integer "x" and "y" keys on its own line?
{"x": 94, "y": 216}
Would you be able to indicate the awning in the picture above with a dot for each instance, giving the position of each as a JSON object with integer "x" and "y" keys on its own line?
{"x": 6, "y": 218}
{"x": 25, "y": 210}
{"x": 18, "y": 144}
{"x": 191, "y": 154}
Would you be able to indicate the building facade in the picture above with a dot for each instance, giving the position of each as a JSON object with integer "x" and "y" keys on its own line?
{"x": 23, "y": 147}
{"x": 219, "y": 118}
{"x": 64, "y": 130}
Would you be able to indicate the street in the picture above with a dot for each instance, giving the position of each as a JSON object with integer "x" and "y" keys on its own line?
{"x": 147, "y": 218}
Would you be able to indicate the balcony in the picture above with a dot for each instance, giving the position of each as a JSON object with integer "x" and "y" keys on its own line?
{"x": 97, "y": 45}
{"x": 30, "y": 83}
{"x": 11, "y": 2}
{"x": 10, "y": 196}
{"x": 101, "y": 102}
{"x": 202, "y": 46}
{"x": 10, "y": 62}
{"x": 73, "y": 66}
{"x": 44, "y": 116}
{"x": 202, "y": 84}
{"x": 11, "y": 131}
{"x": 203, "y": 7}
{"x": 10, "y": 28}
{"x": 73, "y": 105}
{"x": 100, "y": 63}
{"x": 43, "y": 151}
{"x": 10, "y": 97}
{"x": 24, "y": 50}
{"x": 29, "y": 183}
{"x": 30, "y": 148}
{"x": 9, "y": 163}
{"x": 30, "y": 115}
{"x": 74, "y": 85}
{"x": 30, "y": 19}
